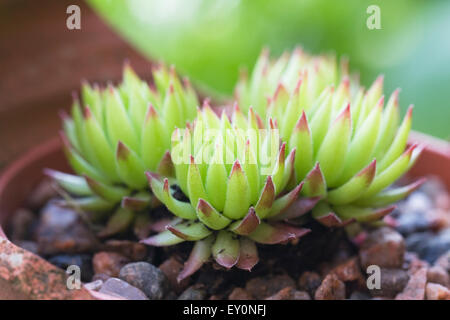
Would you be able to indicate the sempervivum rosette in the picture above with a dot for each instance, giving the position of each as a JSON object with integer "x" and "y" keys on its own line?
{"x": 350, "y": 147}
{"x": 278, "y": 78}
{"x": 234, "y": 178}
{"x": 114, "y": 135}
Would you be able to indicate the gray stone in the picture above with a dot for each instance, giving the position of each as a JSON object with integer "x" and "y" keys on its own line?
{"x": 94, "y": 285}
{"x": 123, "y": 289}
{"x": 193, "y": 293}
{"x": 147, "y": 278}
{"x": 428, "y": 245}
{"x": 393, "y": 281}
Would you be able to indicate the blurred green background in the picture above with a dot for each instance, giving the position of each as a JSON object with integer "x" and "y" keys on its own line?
{"x": 209, "y": 40}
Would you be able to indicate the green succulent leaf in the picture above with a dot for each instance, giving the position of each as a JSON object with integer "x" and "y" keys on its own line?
{"x": 301, "y": 140}
{"x": 362, "y": 214}
{"x": 314, "y": 184}
{"x": 399, "y": 143}
{"x": 390, "y": 174}
{"x": 238, "y": 195}
{"x": 161, "y": 190}
{"x": 246, "y": 225}
{"x": 333, "y": 151}
{"x": 351, "y": 190}
{"x": 389, "y": 196}
{"x": 199, "y": 255}
{"x": 163, "y": 239}
{"x": 248, "y": 255}
{"x": 130, "y": 167}
{"x": 119, "y": 222}
{"x": 107, "y": 192}
{"x": 272, "y": 234}
{"x": 89, "y": 204}
{"x": 73, "y": 184}
{"x": 226, "y": 249}
{"x": 207, "y": 214}
{"x": 153, "y": 137}
{"x": 266, "y": 199}
{"x": 189, "y": 231}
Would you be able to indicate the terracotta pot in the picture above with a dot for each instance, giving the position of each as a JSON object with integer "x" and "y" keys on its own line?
{"x": 18, "y": 267}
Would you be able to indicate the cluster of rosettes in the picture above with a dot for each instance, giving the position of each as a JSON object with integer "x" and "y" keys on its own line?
{"x": 113, "y": 136}
{"x": 303, "y": 139}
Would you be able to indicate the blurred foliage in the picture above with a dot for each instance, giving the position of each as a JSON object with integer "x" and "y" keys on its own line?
{"x": 210, "y": 40}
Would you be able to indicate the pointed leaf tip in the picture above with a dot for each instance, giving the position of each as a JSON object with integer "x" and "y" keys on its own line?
{"x": 236, "y": 168}
{"x": 246, "y": 225}
{"x": 199, "y": 255}
{"x": 151, "y": 175}
{"x": 302, "y": 123}
{"x": 151, "y": 112}
{"x": 248, "y": 256}
{"x": 87, "y": 112}
{"x": 204, "y": 207}
{"x": 369, "y": 171}
{"x": 122, "y": 151}
{"x": 276, "y": 233}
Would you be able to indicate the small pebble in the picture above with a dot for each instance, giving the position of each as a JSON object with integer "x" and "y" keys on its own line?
{"x": 263, "y": 287}
{"x": 290, "y": 293}
{"x": 195, "y": 292}
{"x": 444, "y": 261}
{"x": 436, "y": 291}
{"x": 418, "y": 201}
{"x": 172, "y": 268}
{"x": 348, "y": 270}
{"x": 309, "y": 281}
{"x": 239, "y": 294}
{"x": 134, "y": 251}
{"x": 301, "y": 295}
{"x": 413, "y": 221}
{"x": 331, "y": 289}
{"x": 121, "y": 288}
{"x": 392, "y": 282}
{"x": 428, "y": 245}
{"x": 146, "y": 277}
{"x": 109, "y": 263}
{"x": 437, "y": 274}
{"x": 415, "y": 288}
{"x": 94, "y": 285}
{"x": 383, "y": 247}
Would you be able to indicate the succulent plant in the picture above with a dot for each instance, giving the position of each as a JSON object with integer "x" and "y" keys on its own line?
{"x": 117, "y": 133}
{"x": 271, "y": 82}
{"x": 234, "y": 178}
{"x": 349, "y": 148}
